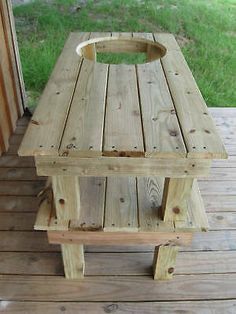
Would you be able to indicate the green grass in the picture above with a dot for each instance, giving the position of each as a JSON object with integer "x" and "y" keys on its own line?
{"x": 206, "y": 30}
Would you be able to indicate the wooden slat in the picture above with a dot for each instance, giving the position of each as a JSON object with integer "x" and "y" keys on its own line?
{"x": 123, "y": 128}
{"x": 16, "y": 221}
{"x": 84, "y": 129}
{"x": 162, "y": 133}
{"x": 117, "y": 288}
{"x": 122, "y": 166}
{"x": 118, "y": 238}
{"x": 121, "y": 205}
{"x": 199, "y": 131}
{"x": 16, "y": 162}
{"x": 23, "y": 188}
{"x": 150, "y": 191}
{"x": 20, "y": 174}
{"x": 193, "y": 307}
{"x": 119, "y": 263}
{"x": 164, "y": 262}
{"x": 18, "y": 203}
{"x": 51, "y": 112}
{"x": 223, "y": 240}
{"x": 92, "y": 197}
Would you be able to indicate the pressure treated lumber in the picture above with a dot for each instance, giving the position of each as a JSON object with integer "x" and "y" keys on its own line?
{"x": 66, "y": 192}
{"x": 164, "y": 262}
{"x": 175, "y": 199}
{"x": 51, "y": 112}
{"x": 122, "y": 166}
{"x": 199, "y": 132}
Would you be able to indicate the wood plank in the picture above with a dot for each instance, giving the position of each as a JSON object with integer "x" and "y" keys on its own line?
{"x": 162, "y": 133}
{"x": 19, "y": 174}
{"x": 122, "y": 166}
{"x": 226, "y": 188}
{"x": 150, "y": 191}
{"x": 73, "y": 260}
{"x": 21, "y": 188}
{"x": 119, "y": 264}
{"x": 17, "y": 221}
{"x": 47, "y": 119}
{"x": 123, "y": 129}
{"x": 222, "y": 220}
{"x": 92, "y": 197}
{"x": 176, "y": 307}
{"x": 121, "y": 205}
{"x": 16, "y": 162}
{"x": 200, "y": 135}
{"x": 18, "y": 203}
{"x": 117, "y": 288}
{"x": 26, "y": 241}
{"x": 118, "y": 238}
{"x": 219, "y": 203}
{"x": 84, "y": 128}
{"x": 66, "y": 192}
{"x": 164, "y": 262}
{"x": 176, "y": 194}
{"x": 223, "y": 240}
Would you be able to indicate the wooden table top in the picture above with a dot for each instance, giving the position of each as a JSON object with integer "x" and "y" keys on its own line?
{"x": 90, "y": 109}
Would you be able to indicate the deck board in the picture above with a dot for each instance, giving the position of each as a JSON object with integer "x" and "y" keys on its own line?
{"x": 119, "y": 278}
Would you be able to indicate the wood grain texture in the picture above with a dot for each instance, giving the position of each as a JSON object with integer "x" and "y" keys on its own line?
{"x": 123, "y": 129}
{"x": 117, "y": 288}
{"x": 84, "y": 128}
{"x": 51, "y": 112}
{"x": 164, "y": 262}
{"x": 121, "y": 212}
{"x": 200, "y": 134}
{"x": 188, "y": 307}
{"x": 162, "y": 133}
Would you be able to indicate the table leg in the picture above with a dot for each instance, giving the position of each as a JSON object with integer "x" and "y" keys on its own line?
{"x": 164, "y": 261}
{"x": 175, "y": 196}
{"x": 67, "y": 202}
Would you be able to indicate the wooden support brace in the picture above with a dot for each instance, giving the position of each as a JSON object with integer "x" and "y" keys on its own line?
{"x": 67, "y": 202}
{"x": 164, "y": 261}
{"x": 175, "y": 198}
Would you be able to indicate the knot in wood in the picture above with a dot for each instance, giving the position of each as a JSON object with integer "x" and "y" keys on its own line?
{"x": 171, "y": 270}
{"x": 61, "y": 201}
{"x": 176, "y": 210}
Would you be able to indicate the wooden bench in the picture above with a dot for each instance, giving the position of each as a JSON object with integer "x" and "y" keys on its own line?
{"x": 122, "y": 146}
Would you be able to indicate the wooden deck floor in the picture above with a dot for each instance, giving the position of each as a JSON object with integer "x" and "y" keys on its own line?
{"x": 118, "y": 278}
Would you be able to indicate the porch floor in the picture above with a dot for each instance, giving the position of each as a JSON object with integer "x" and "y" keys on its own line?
{"x": 118, "y": 279}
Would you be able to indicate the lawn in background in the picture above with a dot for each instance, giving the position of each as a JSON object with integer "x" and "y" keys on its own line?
{"x": 206, "y": 31}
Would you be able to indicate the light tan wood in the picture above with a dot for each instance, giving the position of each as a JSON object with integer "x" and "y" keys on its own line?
{"x": 123, "y": 130}
{"x": 73, "y": 260}
{"x": 84, "y": 128}
{"x": 58, "y": 93}
{"x": 92, "y": 199}
{"x": 175, "y": 199}
{"x": 121, "y": 212}
{"x": 122, "y": 166}
{"x": 200, "y": 134}
{"x": 162, "y": 134}
{"x": 118, "y": 238}
{"x": 66, "y": 191}
{"x": 164, "y": 262}
{"x": 150, "y": 191}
